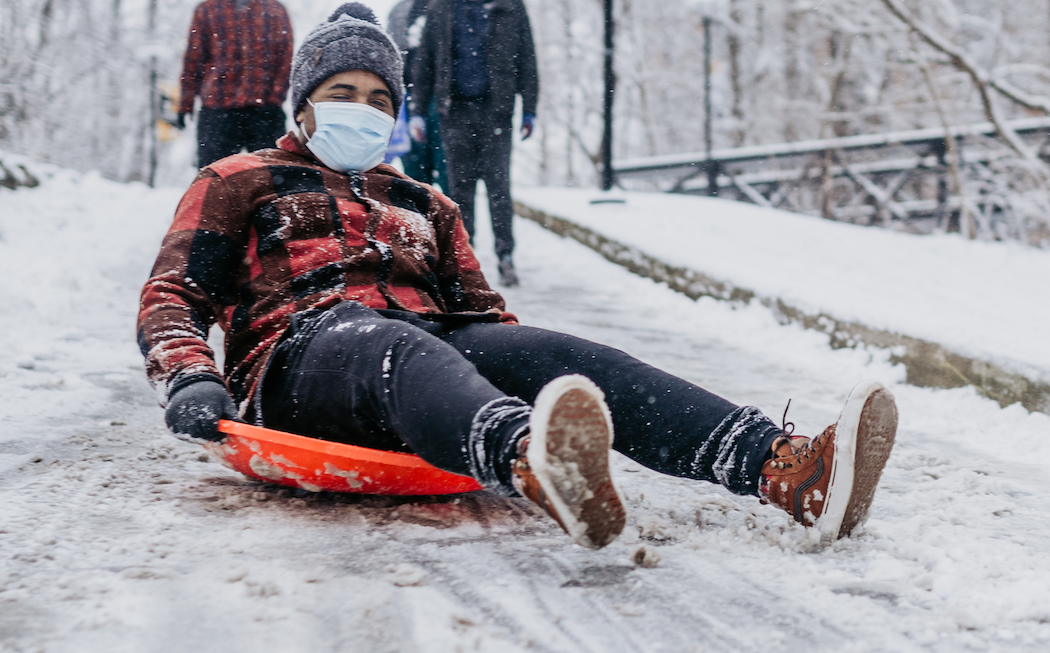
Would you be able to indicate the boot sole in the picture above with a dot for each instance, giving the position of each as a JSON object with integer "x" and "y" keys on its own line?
{"x": 570, "y": 438}
{"x": 863, "y": 441}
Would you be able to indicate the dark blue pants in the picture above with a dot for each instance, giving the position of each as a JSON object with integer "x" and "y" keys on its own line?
{"x": 224, "y": 132}
{"x": 457, "y": 392}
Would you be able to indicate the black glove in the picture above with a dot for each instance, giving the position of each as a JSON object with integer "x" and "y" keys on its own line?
{"x": 194, "y": 410}
{"x": 180, "y": 122}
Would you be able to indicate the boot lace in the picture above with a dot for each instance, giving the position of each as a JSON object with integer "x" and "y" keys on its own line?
{"x": 800, "y": 453}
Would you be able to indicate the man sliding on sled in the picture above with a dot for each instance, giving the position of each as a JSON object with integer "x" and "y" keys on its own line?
{"x": 355, "y": 311}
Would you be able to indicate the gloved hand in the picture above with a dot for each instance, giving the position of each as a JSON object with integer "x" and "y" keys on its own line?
{"x": 527, "y": 122}
{"x": 180, "y": 121}
{"x": 195, "y": 409}
{"x": 417, "y": 129}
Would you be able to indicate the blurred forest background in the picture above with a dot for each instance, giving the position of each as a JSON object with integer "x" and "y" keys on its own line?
{"x": 75, "y": 83}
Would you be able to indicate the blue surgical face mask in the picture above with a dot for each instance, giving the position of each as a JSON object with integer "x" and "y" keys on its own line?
{"x": 349, "y": 135}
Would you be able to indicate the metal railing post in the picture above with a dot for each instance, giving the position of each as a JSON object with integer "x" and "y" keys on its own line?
{"x": 610, "y": 90}
{"x": 712, "y": 167}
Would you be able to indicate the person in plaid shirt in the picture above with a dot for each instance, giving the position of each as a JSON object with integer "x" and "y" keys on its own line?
{"x": 355, "y": 311}
{"x": 237, "y": 61}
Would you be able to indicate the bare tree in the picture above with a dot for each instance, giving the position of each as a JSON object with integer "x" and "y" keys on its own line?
{"x": 982, "y": 81}
{"x": 74, "y": 84}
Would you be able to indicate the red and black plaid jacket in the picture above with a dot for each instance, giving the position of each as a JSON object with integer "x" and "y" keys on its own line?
{"x": 237, "y": 57}
{"x": 261, "y": 236}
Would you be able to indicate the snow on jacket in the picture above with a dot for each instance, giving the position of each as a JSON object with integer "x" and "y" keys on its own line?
{"x": 510, "y": 59}
{"x": 239, "y": 54}
{"x": 259, "y": 237}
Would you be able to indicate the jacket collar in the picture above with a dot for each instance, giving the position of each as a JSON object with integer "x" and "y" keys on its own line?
{"x": 290, "y": 143}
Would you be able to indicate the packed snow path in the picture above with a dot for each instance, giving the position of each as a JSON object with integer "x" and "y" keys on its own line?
{"x": 115, "y": 536}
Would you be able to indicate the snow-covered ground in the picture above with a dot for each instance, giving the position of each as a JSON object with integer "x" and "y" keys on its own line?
{"x": 115, "y": 536}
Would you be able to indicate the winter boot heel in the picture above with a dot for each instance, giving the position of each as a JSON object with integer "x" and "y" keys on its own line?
{"x": 508, "y": 276}
{"x": 565, "y": 463}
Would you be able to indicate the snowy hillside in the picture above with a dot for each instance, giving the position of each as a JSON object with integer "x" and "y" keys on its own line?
{"x": 986, "y": 302}
{"x": 117, "y": 537}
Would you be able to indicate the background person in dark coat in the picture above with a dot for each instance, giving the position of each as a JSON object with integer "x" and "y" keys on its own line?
{"x": 474, "y": 58}
{"x": 237, "y": 60}
{"x": 426, "y": 160}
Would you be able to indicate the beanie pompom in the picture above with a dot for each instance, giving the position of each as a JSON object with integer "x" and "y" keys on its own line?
{"x": 354, "y": 10}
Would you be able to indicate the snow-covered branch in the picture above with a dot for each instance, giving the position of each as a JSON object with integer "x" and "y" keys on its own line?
{"x": 981, "y": 80}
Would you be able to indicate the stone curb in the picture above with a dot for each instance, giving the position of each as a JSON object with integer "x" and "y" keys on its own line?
{"x": 928, "y": 364}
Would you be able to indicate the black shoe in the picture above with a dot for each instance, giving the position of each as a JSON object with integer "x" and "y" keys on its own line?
{"x": 507, "y": 275}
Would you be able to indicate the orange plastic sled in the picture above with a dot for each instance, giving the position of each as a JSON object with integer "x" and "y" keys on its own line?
{"x": 316, "y": 465}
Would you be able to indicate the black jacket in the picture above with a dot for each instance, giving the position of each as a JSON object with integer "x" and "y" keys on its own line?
{"x": 510, "y": 60}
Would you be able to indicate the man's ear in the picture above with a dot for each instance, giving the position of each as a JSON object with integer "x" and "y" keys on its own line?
{"x": 300, "y": 117}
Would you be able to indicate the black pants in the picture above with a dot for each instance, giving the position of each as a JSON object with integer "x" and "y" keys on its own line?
{"x": 477, "y": 146}
{"x": 222, "y": 132}
{"x": 457, "y": 393}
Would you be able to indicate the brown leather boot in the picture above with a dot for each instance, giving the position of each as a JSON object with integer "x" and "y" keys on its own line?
{"x": 829, "y": 481}
{"x": 563, "y": 465}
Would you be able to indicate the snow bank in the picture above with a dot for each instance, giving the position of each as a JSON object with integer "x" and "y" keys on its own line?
{"x": 68, "y": 318}
{"x": 988, "y": 301}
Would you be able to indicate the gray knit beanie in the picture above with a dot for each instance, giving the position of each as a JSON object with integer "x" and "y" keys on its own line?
{"x": 351, "y": 39}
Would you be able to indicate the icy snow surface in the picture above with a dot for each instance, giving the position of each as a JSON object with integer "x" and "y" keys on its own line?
{"x": 115, "y": 536}
{"x": 986, "y": 300}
